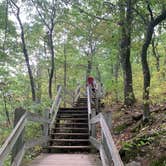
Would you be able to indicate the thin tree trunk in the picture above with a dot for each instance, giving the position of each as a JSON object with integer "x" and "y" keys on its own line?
{"x": 38, "y": 84}
{"x": 51, "y": 74}
{"x": 156, "y": 55}
{"x": 116, "y": 75}
{"x": 6, "y": 110}
{"x": 146, "y": 72}
{"x": 145, "y": 66}
{"x": 6, "y": 25}
{"x": 89, "y": 67}
{"x": 25, "y": 52}
{"x": 65, "y": 72}
{"x": 49, "y": 24}
{"x": 98, "y": 74}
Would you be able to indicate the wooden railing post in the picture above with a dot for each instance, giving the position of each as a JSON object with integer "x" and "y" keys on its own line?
{"x": 19, "y": 112}
{"x": 107, "y": 153}
{"x": 46, "y": 125}
{"x": 93, "y": 126}
{"x": 108, "y": 118}
{"x": 89, "y": 108}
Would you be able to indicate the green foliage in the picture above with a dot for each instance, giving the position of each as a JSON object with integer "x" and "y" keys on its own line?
{"x": 79, "y": 26}
{"x": 118, "y": 129}
{"x": 138, "y": 142}
{"x": 159, "y": 162}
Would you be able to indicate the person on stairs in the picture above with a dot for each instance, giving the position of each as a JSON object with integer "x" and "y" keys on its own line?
{"x": 91, "y": 83}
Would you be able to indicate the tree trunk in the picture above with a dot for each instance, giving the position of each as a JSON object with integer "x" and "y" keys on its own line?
{"x": 89, "y": 67}
{"x": 65, "y": 72}
{"x": 156, "y": 55}
{"x": 6, "y": 110}
{"x": 51, "y": 74}
{"x": 38, "y": 84}
{"x": 25, "y": 52}
{"x": 28, "y": 64}
{"x": 116, "y": 75}
{"x": 145, "y": 67}
{"x": 6, "y": 25}
{"x": 125, "y": 45}
{"x": 146, "y": 72}
{"x": 98, "y": 74}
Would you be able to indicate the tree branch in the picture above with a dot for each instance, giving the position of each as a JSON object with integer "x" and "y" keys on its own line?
{"x": 150, "y": 10}
{"x": 159, "y": 19}
{"x": 141, "y": 16}
{"x": 41, "y": 16}
{"x": 91, "y": 15}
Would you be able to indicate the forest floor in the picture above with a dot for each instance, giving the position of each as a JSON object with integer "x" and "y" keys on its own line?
{"x": 139, "y": 144}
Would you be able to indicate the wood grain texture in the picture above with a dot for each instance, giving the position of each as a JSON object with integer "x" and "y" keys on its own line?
{"x": 66, "y": 160}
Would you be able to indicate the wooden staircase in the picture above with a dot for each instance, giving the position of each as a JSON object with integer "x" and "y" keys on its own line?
{"x": 70, "y": 132}
{"x": 65, "y": 130}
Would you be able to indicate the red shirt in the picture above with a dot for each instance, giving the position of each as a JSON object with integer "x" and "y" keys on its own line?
{"x": 90, "y": 81}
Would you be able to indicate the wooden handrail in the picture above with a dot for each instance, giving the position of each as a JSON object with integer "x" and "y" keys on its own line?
{"x": 109, "y": 141}
{"x": 106, "y": 147}
{"x": 15, "y": 134}
{"x": 89, "y": 107}
{"x": 56, "y": 101}
{"x": 55, "y": 107}
{"x": 55, "y": 114}
{"x": 11, "y": 140}
{"x": 19, "y": 128}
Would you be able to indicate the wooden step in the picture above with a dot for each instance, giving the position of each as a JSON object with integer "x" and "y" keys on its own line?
{"x": 72, "y": 118}
{"x": 70, "y": 134}
{"x": 66, "y": 159}
{"x": 82, "y": 101}
{"x": 69, "y": 128}
{"x": 62, "y": 124}
{"x": 74, "y": 108}
{"x": 69, "y": 147}
{"x": 74, "y": 111}
{"x": 85, "y": 99}
{"x": 81, "y": 104}
{"x": 70, "y": 140}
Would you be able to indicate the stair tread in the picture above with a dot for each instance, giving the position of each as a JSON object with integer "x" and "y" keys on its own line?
{"x": 74, "y": 108}
{"x": 72, "y": 123}
{"x": 70, "y": 128}
{"x": 69, "y": 133}
{"x": 72, "y": 118}
{"x": 73, "y": 111}
{"x": 71, "y": 140}
{"x": 72, "y": 114}
{"x": 69, "y": 147}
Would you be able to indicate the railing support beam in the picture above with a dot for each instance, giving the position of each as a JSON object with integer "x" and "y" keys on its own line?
{"x": 19, "y": 112}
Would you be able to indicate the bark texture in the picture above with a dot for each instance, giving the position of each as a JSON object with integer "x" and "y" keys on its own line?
{"x": 125, "y": 45}
{"x": 145, "y": 66}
